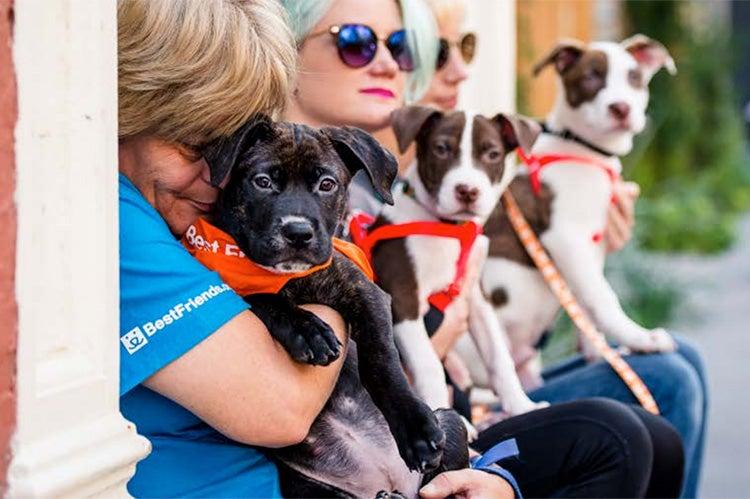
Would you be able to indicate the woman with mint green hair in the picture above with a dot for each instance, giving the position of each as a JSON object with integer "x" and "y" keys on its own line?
{"x": 390, "y": 61}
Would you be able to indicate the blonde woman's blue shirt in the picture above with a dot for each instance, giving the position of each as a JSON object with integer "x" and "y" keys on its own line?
{"x": 169, "y": 303}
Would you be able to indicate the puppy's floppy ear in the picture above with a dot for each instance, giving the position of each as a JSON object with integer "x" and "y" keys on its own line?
{"x": 360, "y": 151}
{"x": 408, "y": 121}
{"x": 517, "y": 131}
{"x": 223, "y": 153}
{"x": 650, "y": 54}
{"x": 564, "y": 55}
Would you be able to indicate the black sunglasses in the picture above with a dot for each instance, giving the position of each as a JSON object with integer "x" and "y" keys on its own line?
{"x": 357, "y": 45}
{"x": 467, "y": 45}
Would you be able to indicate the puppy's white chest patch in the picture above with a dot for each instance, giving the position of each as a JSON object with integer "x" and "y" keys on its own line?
{"x": 434, "y": 260}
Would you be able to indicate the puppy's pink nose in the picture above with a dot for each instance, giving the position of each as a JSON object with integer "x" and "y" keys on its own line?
{"x": 619, "y": 110}
{"x": 466, "y": 193}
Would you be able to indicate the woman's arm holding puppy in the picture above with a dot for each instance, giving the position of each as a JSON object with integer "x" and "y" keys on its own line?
{"x": 245, "y": 385}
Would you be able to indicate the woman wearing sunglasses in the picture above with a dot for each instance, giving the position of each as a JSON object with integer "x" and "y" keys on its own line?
{"x": 354, "y": 69}
{"x": 456, "y": 52}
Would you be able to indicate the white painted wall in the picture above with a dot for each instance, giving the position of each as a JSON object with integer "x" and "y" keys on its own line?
{"x": 71, "y": 439}
{"x": 491, "y": 87}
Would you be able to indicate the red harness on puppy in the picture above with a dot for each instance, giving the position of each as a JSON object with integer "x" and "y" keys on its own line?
{"x": 466, "y": 233}
{"x": 535, "y": 165}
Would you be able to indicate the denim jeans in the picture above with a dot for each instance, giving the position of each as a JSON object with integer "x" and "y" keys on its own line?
{"x": 676, "y": 380}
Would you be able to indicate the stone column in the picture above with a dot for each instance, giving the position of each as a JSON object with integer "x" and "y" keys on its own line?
{"x": 70, "y": 438}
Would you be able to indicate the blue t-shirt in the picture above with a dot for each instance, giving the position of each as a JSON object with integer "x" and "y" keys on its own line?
{"x": 169, "y": 303}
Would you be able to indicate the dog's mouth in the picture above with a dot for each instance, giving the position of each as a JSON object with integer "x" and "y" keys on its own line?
{"x": 275, "y": 255}
{"x": 289, "y": 267}
{"x": 462, "y": 215}
{"x": 620, "y": 126}
{"x": 288, "y": 260}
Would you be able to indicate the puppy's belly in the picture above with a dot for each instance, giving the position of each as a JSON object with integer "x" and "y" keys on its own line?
{"x": 350, "y": 446}
{"x": 370, "y": 457}
{"x": 530, "y": 307}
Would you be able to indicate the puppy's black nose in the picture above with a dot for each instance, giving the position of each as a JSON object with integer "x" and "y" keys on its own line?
{"x": 298, "y": 234}
{"x": 466, "y": 193}
{"x": 619, "y": 110}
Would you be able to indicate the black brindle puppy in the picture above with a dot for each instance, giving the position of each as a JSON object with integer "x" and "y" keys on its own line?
{"x": 285, "y": 199}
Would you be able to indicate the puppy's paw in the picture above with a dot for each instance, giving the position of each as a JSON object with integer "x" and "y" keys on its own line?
{"x": 523, "y": 406}
{"x": 418, "y": 436}
{"x": 662, "y": 340}
{"x": 471, "y": 432}
{"x": 310, "y": 340}
{"x": 655, "y": 340}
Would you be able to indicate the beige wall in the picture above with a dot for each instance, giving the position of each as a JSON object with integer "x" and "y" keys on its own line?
{"x": 540, "y": 24}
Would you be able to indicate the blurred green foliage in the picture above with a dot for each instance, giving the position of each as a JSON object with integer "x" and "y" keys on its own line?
{"x": 691, "y": 162}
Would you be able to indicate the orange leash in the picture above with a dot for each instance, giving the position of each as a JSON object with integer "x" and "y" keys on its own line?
{"x": 570, "y": 304}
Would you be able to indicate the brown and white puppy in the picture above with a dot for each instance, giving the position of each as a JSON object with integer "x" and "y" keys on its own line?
{"x": 459, "y": 175}
{"x": 600, "y": 106}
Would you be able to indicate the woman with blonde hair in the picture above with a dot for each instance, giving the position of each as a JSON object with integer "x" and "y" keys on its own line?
{"x": 200, "y": 375}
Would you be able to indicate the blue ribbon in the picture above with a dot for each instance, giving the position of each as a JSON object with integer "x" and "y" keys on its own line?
{"x": 496, "y": 453}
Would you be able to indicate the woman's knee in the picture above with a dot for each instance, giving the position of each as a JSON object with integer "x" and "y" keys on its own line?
{"x": 628, "y": 450}
{"x": 669, "y": 455}
{"x": 679, "y": 392}
{"x": 617, "y": 418}
{"x": 688, "y": 350}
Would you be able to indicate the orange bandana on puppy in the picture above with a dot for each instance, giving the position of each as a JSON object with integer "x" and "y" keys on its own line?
{"x": 217, "y": 250}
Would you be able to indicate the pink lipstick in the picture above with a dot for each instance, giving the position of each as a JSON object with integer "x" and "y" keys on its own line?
{"x": 380, "y": 92}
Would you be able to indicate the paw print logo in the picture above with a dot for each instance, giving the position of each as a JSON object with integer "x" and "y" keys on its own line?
{"x": 133, "y": 340}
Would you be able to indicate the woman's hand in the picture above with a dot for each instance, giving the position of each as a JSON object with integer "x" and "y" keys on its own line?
{"x": 456, "y": 316}
{"x": 467, "y": 484}
{"x": 621, "y": 215}
{"x": 455, "y": 323}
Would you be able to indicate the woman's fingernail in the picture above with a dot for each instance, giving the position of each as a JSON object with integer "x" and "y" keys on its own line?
{"x": 427, "y": 489}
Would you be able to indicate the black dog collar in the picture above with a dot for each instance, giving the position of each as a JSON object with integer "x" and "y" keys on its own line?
{"x": 568, "y": 135}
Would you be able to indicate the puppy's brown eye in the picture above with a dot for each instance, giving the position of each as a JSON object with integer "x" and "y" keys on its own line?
{"x": 492, "y": 155}
{"x": 327, "y": 185}
{"x": 441, "y": 150}
{"x": 262, "y": 181}
{"x": 635, "y": 78}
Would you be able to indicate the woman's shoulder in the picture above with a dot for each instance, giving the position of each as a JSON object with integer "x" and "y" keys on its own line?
{"x": 132, "y": 203}
{"x": 142, "y": 231}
